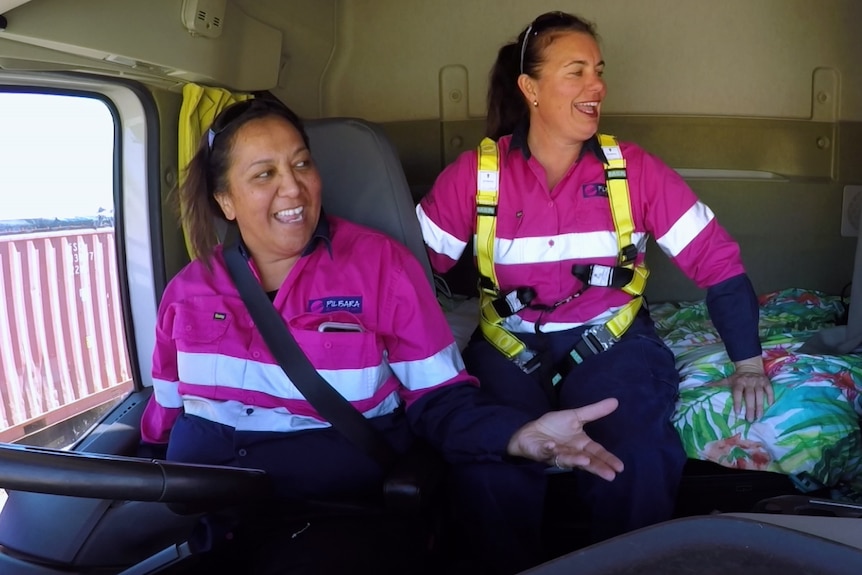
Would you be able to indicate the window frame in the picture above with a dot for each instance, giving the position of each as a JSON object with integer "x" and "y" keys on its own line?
{"x": 137, "y": 198}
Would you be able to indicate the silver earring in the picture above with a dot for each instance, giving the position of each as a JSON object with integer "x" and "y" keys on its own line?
{"x": 535, "y": 103}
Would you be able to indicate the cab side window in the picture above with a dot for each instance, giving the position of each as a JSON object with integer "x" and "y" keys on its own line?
{"x": 63, "y": 349}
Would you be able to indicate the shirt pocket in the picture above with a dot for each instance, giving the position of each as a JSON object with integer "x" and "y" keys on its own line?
{"x": 591, "y": 208}
{"x": 198, "y": 330}
{"x": 352, "y": 362}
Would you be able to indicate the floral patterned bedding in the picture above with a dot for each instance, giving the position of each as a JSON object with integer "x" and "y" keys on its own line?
{"x": 811, "y": 432}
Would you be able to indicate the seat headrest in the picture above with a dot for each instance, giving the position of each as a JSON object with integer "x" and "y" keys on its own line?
{"x": 363, "y": 180}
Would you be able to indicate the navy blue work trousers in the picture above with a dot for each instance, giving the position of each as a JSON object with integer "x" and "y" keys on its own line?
{"x": 502, "y": 504}
{"x": 317, "y": 464}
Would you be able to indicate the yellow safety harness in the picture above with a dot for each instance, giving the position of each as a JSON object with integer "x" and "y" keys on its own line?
{"x": 626, "y": 276}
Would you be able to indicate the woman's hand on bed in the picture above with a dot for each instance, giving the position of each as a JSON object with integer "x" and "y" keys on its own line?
{"x": 750, "y": 387}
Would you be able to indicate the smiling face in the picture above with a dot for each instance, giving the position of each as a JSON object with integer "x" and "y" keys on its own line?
{"x": 568, "y": 89}
{"x": 273, "y": 190}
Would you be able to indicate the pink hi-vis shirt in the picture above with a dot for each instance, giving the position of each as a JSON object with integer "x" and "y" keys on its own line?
{"x": 211, "y": 361}
{"x": 541, "y": 233}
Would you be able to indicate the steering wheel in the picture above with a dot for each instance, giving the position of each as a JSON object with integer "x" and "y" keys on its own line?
{"x": 78, "y": 474}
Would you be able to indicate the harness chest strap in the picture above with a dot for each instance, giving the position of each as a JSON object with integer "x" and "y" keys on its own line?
{"x": 634, "y": 283}
{"x": 626, "y": 275}
{"x": 487, "y": 191}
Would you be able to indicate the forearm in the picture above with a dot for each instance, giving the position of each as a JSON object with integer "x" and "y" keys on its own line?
{"x": 735, "y": 312}
{"x": 462, "y": 422}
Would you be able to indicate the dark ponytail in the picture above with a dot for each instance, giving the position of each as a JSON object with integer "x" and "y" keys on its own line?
{"x": 506, "y": 105}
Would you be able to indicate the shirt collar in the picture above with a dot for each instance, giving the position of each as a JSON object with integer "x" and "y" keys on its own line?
{"x": 321, "y": 234}
{"x": 519, "y": 142}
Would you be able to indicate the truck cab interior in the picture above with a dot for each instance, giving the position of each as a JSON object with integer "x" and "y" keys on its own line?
{"x": 757, "y": 105}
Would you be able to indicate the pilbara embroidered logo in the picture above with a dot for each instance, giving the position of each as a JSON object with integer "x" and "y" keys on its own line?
{"x": 352, "y": 304}
{"x": 219, "y": 315}
{"x": 595, "y": 190}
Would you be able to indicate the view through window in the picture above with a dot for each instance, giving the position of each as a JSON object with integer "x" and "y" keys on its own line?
{"x": 63, "y": 354}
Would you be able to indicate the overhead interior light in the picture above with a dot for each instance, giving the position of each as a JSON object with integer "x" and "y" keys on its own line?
{"x": 204, "y": 17}
{"x": 117, "y": 59}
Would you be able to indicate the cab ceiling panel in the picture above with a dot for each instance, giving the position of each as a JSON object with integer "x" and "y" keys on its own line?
{"x": 154, "y": 38}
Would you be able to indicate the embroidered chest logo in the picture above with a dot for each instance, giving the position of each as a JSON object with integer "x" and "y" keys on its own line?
{"x": 595, "y": 190}
{"x": 352, "y": 304}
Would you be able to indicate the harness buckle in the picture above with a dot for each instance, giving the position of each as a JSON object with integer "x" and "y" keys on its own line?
{"x": 598, "y": 338}
{"x": 518, "y": 299}
{"x": 527, "y": 360}
{"x": 628, "y": 254}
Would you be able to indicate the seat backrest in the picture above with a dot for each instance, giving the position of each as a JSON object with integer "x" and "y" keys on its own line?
{"x": 363, "y": 180}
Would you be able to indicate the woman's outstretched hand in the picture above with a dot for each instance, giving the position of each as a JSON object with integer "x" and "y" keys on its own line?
{"x": 558, "y": 438}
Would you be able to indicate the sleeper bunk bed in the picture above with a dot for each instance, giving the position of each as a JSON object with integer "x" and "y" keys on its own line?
{"x": 811, "y": 351}
{"x": 810, "y": 433}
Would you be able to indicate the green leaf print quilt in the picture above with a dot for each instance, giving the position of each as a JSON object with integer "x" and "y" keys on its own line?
{"x": 811, "y": 431}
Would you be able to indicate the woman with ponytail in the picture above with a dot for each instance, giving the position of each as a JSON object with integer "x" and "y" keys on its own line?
{"x": 568, "y": 276}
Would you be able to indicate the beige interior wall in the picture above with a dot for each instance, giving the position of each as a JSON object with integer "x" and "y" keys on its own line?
{"x": 689, "y": 57}
{"x": 168, "y": 104}
{"x": 789, "y": 234}
{"x": 307, "y": 46}
{"x": 382, "y": 59}
{"x": 142, "y": 39}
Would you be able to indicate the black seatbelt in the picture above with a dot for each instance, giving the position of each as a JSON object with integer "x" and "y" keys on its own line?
{"x": 330, "y": 404}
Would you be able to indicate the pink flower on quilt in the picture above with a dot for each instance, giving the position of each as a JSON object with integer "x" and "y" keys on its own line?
{"x": 810, "y": 299}
{"x": 775, "y": 358}
{"x": 738, "y": 453}
{"x": 764, "y": 299}
{"x": 842, "y": 380}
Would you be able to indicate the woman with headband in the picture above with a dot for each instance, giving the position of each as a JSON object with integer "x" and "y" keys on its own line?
{"x": 560, "y": 215}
